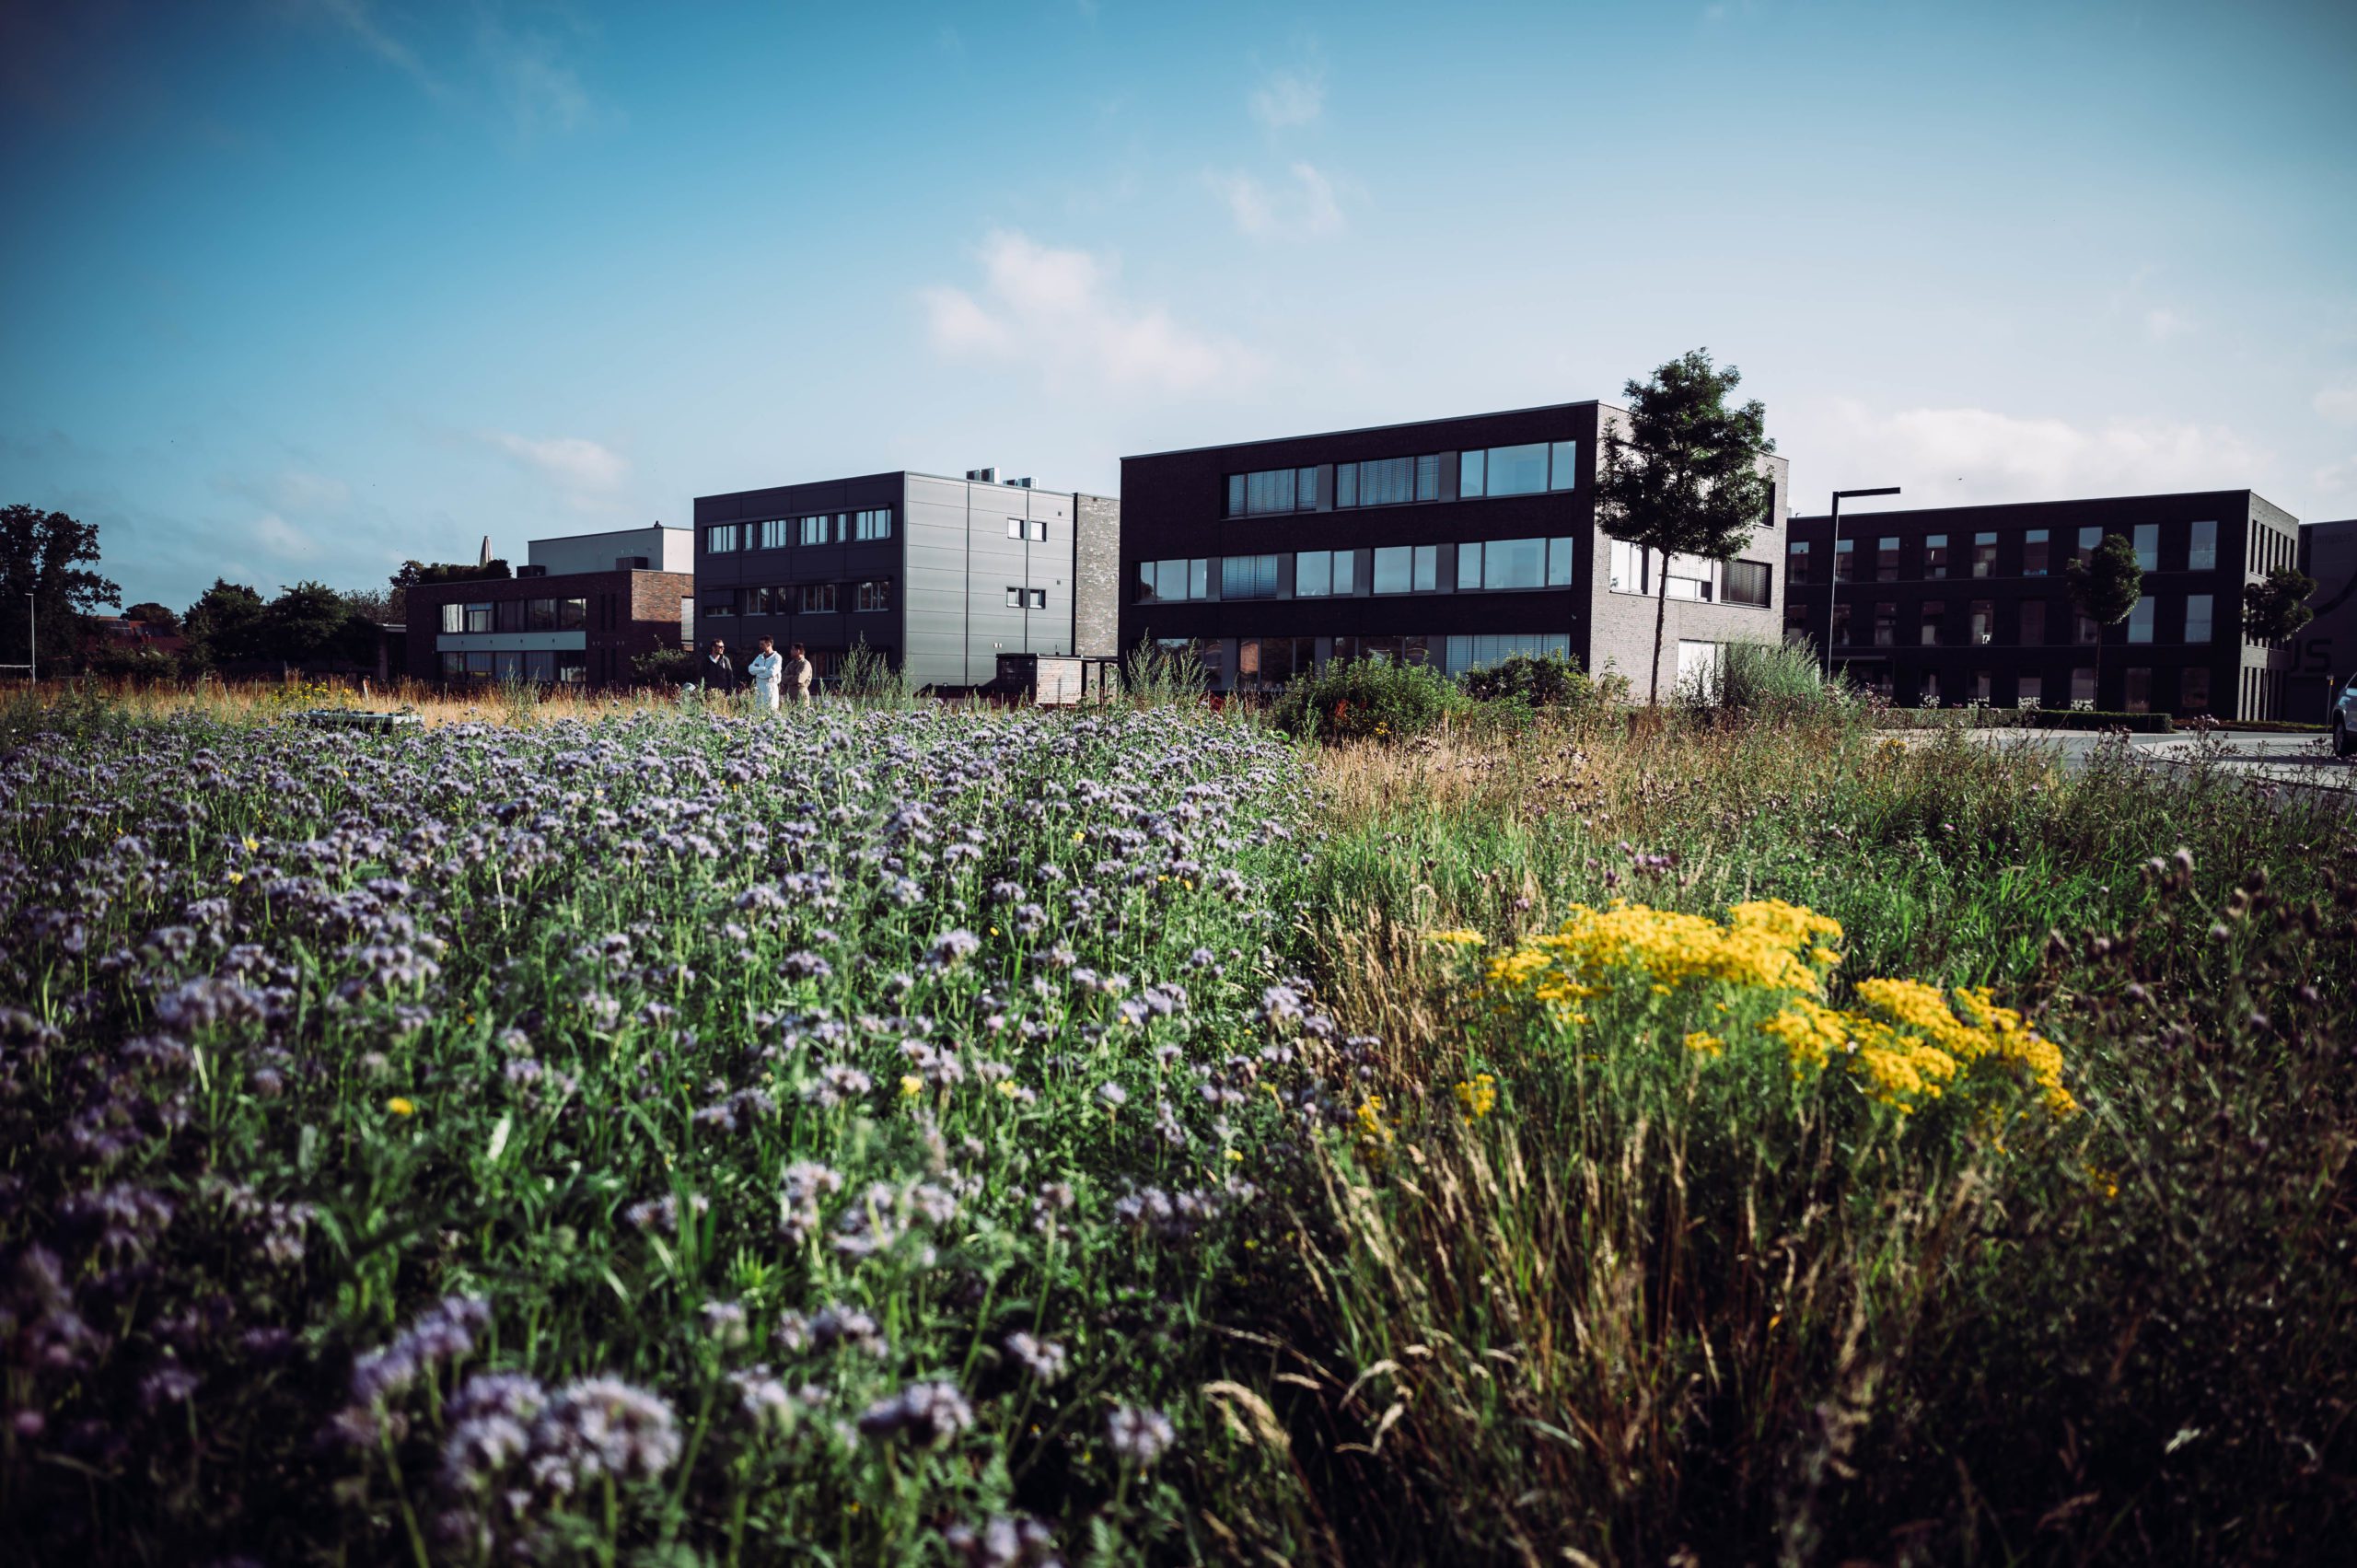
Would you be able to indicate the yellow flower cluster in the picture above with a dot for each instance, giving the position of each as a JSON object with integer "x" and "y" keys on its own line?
{"x": 1375, "y": 1133}
{"x": 1477, "y": 1096}
{"x": 1904, "y": 1044}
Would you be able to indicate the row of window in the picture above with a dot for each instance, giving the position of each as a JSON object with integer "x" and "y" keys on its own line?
{"x": 822, "y": 527}
{"x": 1268, "y": 662}
{"x": 1481, "y": 566}
{"x": 563, "y": 668}
{"x": 1938, "y": 623}
{"x": 516, "y": 615}
{"x": 2138, "y": 688}
{"x": 1529, "y": 468}
{"x": 2030, "y": 551}
{"x": 799, "y": 599}
{"x": 1636, "y": 571}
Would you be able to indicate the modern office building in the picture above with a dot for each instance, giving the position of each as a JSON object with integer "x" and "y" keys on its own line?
{"x": 2323, "y": 654}
{"x": 1967, "y": 604}
{"x": 938, "y": 575}
{"x": 1451, "y": 542}
{"x": 577, "y": 612}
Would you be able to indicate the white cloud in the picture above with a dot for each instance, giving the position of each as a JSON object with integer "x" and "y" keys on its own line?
{"x": 1303, "y": 209}
{"x": 1960, "y": 456}
{"x": 1058, "y": 309}
{"x": 542, "y": 94}
{"x": 2337, "y": 405}
{"x": 574, "y": 462}
{"x": 359, "y": 18}
{"x": 300, "y": 492}
{"x": 2161, "y": 324}
{"x": 1289, "y": 98}
{"x": 282, "y": 539}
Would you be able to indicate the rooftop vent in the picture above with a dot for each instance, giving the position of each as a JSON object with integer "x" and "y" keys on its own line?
{"x": 532, "y": 570}
{"x": 985, "y": 476}
{"x": 1023, "y": 483}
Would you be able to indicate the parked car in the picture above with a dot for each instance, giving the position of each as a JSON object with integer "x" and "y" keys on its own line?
{"x": 2344, "y": 719}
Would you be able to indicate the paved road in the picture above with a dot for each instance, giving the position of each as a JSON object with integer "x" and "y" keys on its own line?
{"x": 2304, "y": 762}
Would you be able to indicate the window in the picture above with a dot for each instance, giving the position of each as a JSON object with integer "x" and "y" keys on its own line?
{"x": 1845, "y": 560}
{"x": 540, "y": 615}
{"x": 1935, "y": 556}
{"x": 1318, "y": 574}
{"x": 1014, "y": 598}
{"x": 2088, "y": 539}
{"x": 1015, "y": 527}
{"x": 454, "y": 667}
{"x": 2029, "y": 692}
{"x": 1382, "y": 481}
{"x": 1506, "y": 470}
{"x": 454, "y": 617}
{"x": 2033, "y": 623}
{"x": 1978, "y": 688}
{"x": 1691, "y": 577}
{"x": 2202, "y": 555}
{"x": 822, "y": 529}
{"x": 572, "y": 614}
{"x": 2140, "y": 621}
{"x": 2148, "y": 546}
{"x": 1563, "y": 466}
{"x": 2193, "y": 682}
{"x": 1272, "y": 490}
{"x": 2082, "y": 628}
{"x": 1841, "y": 625}
{"x": 1934, "y": 618}
{"x": 2035, "y": 546}
{"x": 1627, "y": 568}
{"x": 874, "y": 523}
{"x": 1886, "y": 624}
{"x": 763, "y": 601}
{"x": 1168, "y": 582}
{"x": 539, "y": 665}
{"x": 1428, "y": 476}
{"x": 1796, "y": 562}
{"x": 874, "y": 595}
{"x": 777, "y": 532}
{"x": 1406, "y": 569}
{"x": 2196, "y": 616}
{"x": 1037, "y": 533}
{"x": 2138, "y": 688}
{"x": 1398, "y": 650}
{"x": 1037, "y": 599}
{"x": 1984, "y": 555}
{"x": 1515, "y": 563}
{"x": 1482, "y": 650}
{"x": 1930, "y": 696}
{"x": 479, "y": 616}
{"x": 1983, "y": 623}
{"x": 2082, "y": 688}
{"x": 720, "y": 539}
{"x": 1272, "y": 661}
{"x": 511, "y": 615}
{"x": 1247, "y": 576}
{"x": 718, "y": 602}
{"x": 1887, "y": 558}
{"x": 1747, "y": 583}
{"x": 818, "y": 598}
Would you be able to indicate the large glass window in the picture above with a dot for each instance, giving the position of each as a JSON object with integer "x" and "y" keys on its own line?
{"x": 572, "y": 614}
{"x": 2193, "y": 683}
{"x": 1398, "y": 650}
{"x": 1885, "y": 623}
{"x": 1428, "y": 476}
{"x": 873, "y": 523}
{"x": 1935, "y": 556}
{"x": 1318, "y": 574}
{"x": 540, "y": 615}
{"x": 454, "y": 667}
{"x": 777, "y": 532}
{"x": 2084, "y": 629}
{"x": 2137, "y": 686}
{"x": 1984, "y": 622}
{"x": 1984, "y": 555}
{"x": 2140, "y": 621}
{"x": 1627, "y": 568}
{"x": 2082, "y": 688}
{"x": 873, "y": 595}
{"x": 2033, "y": 623}
{"x": 1934, "y": 617}
{"x": 820, "y": 529}
{"x": 1379, "y": 481}
{"x": 1745, "y": 582}
{"x": 1841, "y": 625}
{"x": 454, "y": 617}
{"x": 1887, "y": 558}
{"x": 1691, "y": 577}
{"x": 539, "y": 665}
{"x": 1247, "y": 576}
{"x": 479, "y": 616}
{"x": 819, "y": 599}
{"x": 1845, "y": 560}
{"x": 1270, "y": 662}
{"x": 2202, "y": 555}
{"x": 719, "y": 603}
{"x": 1272, "y": 490}
{"x": 720, "y": 539}
{"x": 1484, "y": 649}
{"x": 511, "y": 615}
{"x": 2029, "y": 692}
{"x": 1515, "y": 563}
{"x": 1168, "y": 582}
{"x": 2148, "y": 546}
{"x": 1406, "y": 569}
{"x": 1563, "y": 466}
{"x": 1795, "y": 563}
{"x": 2196, "y": 616}
{"x": 2088, "y": 539}
{"x": 2034, "y": 547}
{"x": 1504, "y": 471}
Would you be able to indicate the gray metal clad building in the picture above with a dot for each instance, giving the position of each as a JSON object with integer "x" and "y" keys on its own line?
{"x": 940, "y": 575}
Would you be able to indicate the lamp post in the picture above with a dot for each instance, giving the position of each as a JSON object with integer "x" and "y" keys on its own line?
{"x": 1832, "y": 554}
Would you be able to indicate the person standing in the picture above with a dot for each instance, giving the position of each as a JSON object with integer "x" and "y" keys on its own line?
{"x": 715, "y": 676}
{"x": 798, "y": 672}
{"x": 762, "y": 671}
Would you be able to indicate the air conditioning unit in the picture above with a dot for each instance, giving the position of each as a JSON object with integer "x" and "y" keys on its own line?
{"x": 1023, "y": 483}
{"x": 632, "y": 562}
{"x": 532, "y": 570}
{"x": 984, "y": 476}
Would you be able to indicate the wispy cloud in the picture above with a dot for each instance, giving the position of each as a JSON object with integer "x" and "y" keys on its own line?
{"x": 1059, "y": 310}
{"x": 282, "y": 538}
{"x": 2337, "y": 405}
{"x": 1286, "y": 99}
{"x": 539, "y": 88}
{"x": 1957, "y": 456}
{"x": 520, "y": 78}
{"x": 1304, "y": 208}
{"x": 358, "y": 18}
{"x": 2160, "y": 324}
{"x": 576, "y": 464}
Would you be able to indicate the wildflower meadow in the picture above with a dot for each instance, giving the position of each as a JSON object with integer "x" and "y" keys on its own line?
{"x": 933, "y": 1135}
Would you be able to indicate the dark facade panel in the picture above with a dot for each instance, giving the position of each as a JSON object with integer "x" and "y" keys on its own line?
{"x": 624, "y": 614}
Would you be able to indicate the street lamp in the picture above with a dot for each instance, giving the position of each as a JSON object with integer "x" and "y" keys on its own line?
{"x": 1832, "y": 554}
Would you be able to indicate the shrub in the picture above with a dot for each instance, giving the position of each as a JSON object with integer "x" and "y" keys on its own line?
{"x": 664, "y": 666}
{"x": 1775, "y": 679}
{"x": 866, "y": 677}
{"x": 1153, "y": 674}
{"x": 1544, "y": 680}
{"x": 1372, "y": 699}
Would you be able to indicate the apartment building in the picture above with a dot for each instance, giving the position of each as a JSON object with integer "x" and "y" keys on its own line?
{"x": 1453, "y": 542}
{"x": 580, "y": 609}
{"x": 1951, "y": 605}
{"x": 938, "y": 575}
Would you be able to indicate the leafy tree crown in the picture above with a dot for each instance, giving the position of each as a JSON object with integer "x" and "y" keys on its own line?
{"x": 2276, "y": 607}
{"x": 2107, "y": 585}
{"x": 1685, "y": 479}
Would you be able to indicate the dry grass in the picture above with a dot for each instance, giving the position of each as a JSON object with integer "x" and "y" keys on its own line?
{"x": 255, "y": 701}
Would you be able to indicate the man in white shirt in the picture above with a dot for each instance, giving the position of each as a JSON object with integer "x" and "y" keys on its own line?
{"x": 763, "y": 669}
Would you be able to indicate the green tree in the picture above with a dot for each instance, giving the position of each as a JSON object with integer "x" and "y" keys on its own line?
{"x": 304, "y": 622}
{"x": 2105, "y": 586}
{"x": 158, "y": 616}
{"x": 1686, "y": 480}
{"x": 46, "y": 555}
{"x": 224, "y": 625}
{"x": 2277, "y": 606}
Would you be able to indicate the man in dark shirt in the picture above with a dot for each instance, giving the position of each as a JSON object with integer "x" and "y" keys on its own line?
{"x": 715, "y": 674}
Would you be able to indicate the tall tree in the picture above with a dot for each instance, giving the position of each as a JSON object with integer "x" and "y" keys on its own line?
{"x": 2277, "y": 606}
{"x": 224, "y": 625}
{"x": 1686, "y": 480}
{"x": 46, "y": 555}
{"x": 158, "y": 616}
{"x": 2105, "y": 586}
{"x": 304, "y": 622}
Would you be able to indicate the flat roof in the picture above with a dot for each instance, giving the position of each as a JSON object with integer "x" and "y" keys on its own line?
{"x": 2058, "y": 501}
{"x": 1376, "y": 429}
{"x": 901, "y": 474}
{"x": 611, "y": 533}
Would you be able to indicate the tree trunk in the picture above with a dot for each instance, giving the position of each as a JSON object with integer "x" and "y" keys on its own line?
{"x": 2097, "y": 703}
{"x": 1661, "y": 617}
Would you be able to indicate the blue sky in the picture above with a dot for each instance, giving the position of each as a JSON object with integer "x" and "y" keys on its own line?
{"x": 298, "y": 288}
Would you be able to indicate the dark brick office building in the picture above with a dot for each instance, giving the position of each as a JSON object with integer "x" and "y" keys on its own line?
{"x": 938, "y": 575}
{"x": 1966, "y": 604}
{"x": 577, "y": 612}
{"x": 1453, "y": 542}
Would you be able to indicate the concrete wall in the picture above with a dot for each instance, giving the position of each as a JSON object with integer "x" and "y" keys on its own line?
{"x": 666, "y": 548}
{"x": 1097, "y": 575}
